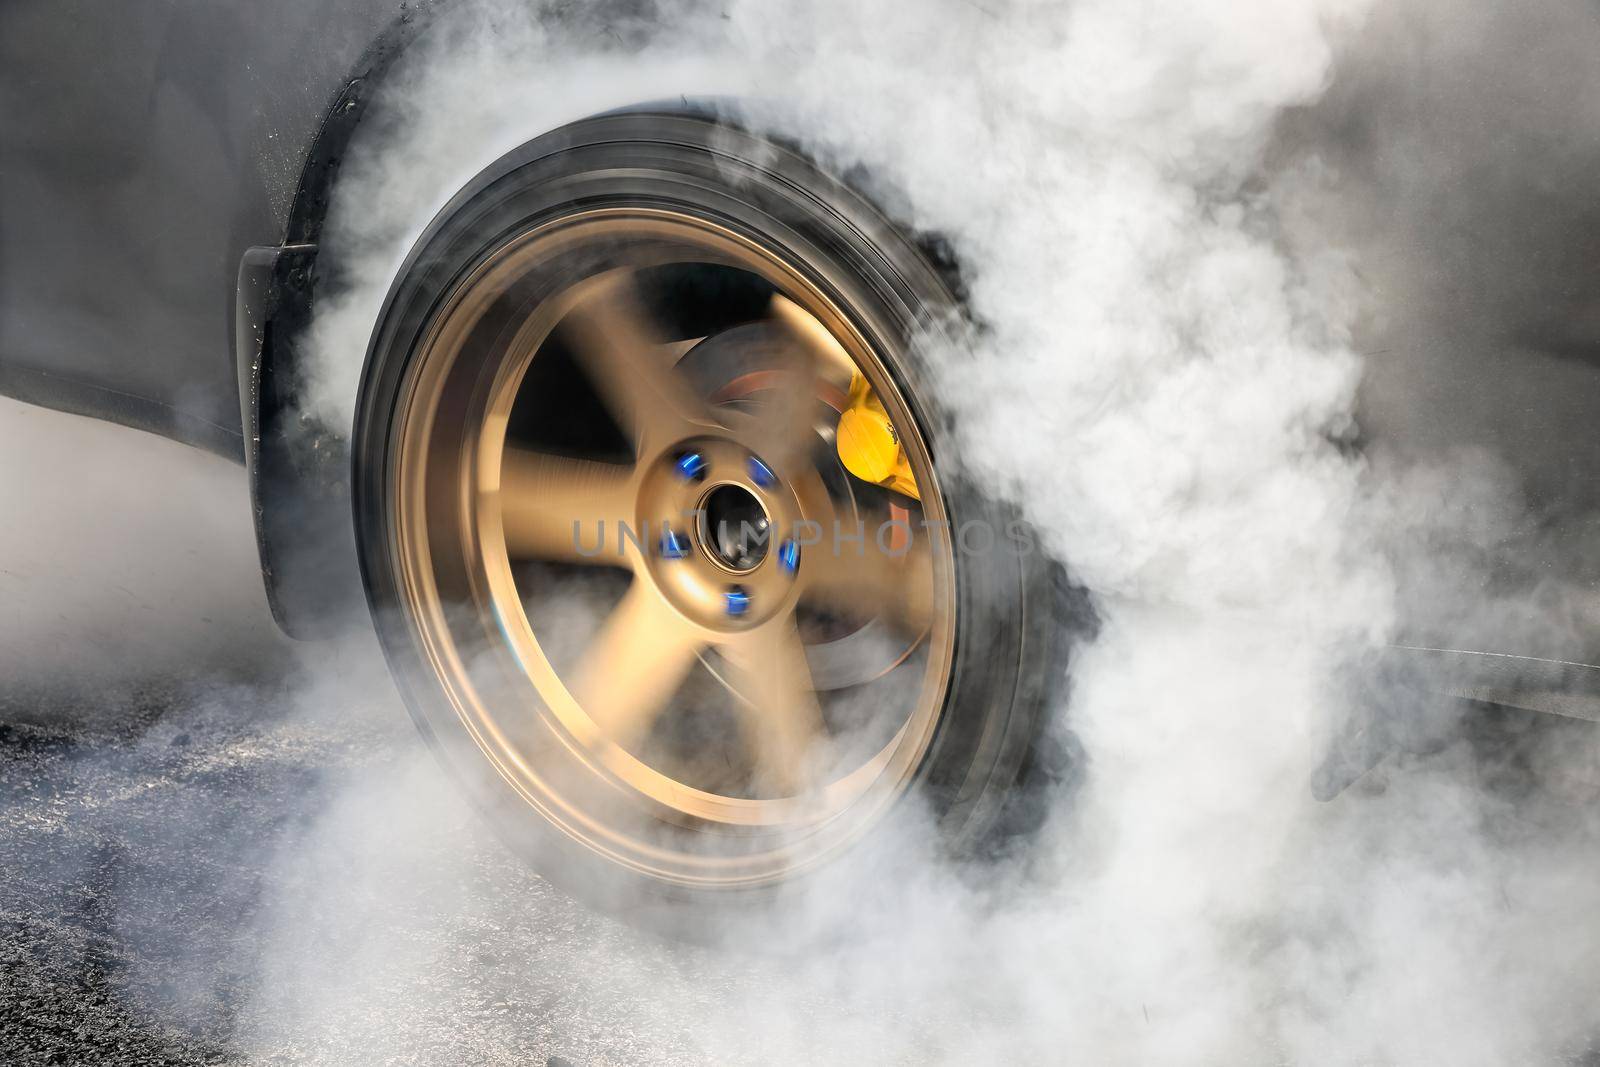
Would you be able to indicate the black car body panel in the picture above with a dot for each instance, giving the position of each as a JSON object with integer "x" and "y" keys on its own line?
{"x": 144, "y": 146}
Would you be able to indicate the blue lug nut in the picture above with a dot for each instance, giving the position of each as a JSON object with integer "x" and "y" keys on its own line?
{"x": 691, "y": 466}
{"x": 673, "y": 544}
{"x": 762, "y": 474}
{"x": 737, "y": 600}
{"x": 789, "y": 556}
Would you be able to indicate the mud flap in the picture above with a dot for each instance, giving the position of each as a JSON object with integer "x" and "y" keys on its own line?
{"x": 298, "y": 471}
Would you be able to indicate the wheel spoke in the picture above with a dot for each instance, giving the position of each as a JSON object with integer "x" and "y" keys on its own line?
{"x": 611, "y": 334}
{"x": 871, "y": 578}
{"x": 782, "y": 720}
{"x": 635, "y": 665}
{"x": 783, "y": 428}
{"x": 563, "y": 509}
{"x": 813, "y": 337}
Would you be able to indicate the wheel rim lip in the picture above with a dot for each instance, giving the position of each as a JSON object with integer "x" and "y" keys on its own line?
{"x": 800, "y": 821}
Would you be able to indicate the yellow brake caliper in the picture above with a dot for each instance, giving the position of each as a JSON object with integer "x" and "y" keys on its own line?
{"x": 868, "y": 445}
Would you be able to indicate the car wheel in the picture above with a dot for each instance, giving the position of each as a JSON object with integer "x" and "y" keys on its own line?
{"x": 627, "y": 580}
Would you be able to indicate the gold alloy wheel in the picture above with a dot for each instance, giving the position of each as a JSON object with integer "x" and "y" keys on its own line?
{"x": 636, "y": 640}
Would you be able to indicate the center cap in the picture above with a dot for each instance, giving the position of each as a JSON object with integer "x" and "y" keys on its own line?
{"x": 734, "y": 528}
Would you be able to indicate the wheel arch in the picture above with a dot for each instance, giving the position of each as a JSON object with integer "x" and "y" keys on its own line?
{"x": 298, "y": 470}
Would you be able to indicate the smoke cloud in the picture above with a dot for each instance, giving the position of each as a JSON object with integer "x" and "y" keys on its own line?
{"x": 134, "y": 606}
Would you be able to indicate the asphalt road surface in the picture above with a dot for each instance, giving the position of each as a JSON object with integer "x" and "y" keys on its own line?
{"x": 208, "y": 879}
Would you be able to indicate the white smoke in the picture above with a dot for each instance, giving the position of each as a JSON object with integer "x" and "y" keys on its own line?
{"x": 1159, "y": 377}
{"x": 135, "y": 606}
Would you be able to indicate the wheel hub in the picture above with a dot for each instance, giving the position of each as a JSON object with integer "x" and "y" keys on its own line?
{"x": 710, "y": 538}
